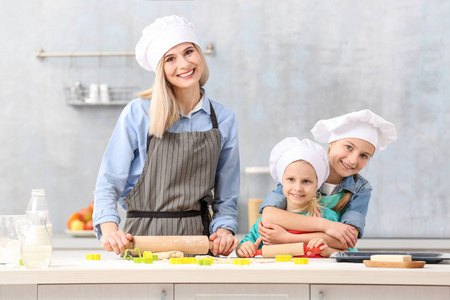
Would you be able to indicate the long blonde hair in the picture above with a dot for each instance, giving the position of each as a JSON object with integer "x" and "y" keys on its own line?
{"x": 164, "y": 107}
{"x": 313, "y": 207}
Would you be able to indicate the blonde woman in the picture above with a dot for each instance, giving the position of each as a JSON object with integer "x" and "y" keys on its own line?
{"x": 174, "y": 152}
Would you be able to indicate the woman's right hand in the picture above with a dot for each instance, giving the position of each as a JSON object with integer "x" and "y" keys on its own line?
{"x": 346, "y": 234}
{"x": 113, "y": 239}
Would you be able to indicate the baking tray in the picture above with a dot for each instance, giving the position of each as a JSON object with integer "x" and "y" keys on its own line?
{"x": 359, "y": 257}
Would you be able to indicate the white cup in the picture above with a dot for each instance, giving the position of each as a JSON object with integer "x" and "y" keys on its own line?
{"x": 104, "y": 93}
{"x": 93, "y": 93}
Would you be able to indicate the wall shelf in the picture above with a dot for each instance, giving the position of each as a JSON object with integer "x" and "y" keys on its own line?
{"x": 78, "y": 95}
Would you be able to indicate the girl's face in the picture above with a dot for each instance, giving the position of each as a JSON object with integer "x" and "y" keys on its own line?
{"x": 183, "y": 66}
{"x": 299, "y": 184}
{"x": 347, "y": 157}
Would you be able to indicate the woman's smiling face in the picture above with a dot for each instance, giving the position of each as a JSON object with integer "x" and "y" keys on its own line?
{"x": 347, "y": 157}
{"x": 183, "y": 66}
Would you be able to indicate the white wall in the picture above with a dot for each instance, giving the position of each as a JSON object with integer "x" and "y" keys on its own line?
{"x": 280, "y": 65}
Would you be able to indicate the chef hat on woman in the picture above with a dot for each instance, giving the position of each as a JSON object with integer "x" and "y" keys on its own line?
{"x": 363, "y": 124}
{"x": 161, "y": 36}
{"x": 292, "y": 149}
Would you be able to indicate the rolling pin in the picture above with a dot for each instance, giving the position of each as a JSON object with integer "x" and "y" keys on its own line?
{"x": 188, "y": 244}
{"x": 294, "y": 249}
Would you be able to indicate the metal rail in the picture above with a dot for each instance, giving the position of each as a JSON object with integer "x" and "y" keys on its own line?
{"x": 40, "y": 54}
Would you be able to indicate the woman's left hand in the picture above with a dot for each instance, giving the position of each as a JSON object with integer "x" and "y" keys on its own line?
{"x": 224, "y": 242}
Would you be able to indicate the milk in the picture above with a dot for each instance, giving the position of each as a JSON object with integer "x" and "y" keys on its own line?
{"x": 36, "y": 248}
{"x": 36, "y": 256}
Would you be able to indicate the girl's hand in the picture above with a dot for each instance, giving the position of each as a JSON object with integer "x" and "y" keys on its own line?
{"x": 321, "y": 244}
{"x": 224, "y": 242}
{"x": 346, "y": 234}
{"x": 117, "y": 241}
{"x": 248, "y": 249}
{"x": 272, "y": 234}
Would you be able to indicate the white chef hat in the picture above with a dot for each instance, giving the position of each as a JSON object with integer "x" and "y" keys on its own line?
{"x": 161, "y": 36}
{"x": 363, "y": 124}
{"x": 292, "y": 149}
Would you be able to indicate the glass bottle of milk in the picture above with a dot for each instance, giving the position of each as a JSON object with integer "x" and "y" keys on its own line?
{"x": 36, "y": 245}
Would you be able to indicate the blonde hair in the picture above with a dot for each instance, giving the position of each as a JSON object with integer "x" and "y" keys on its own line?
{"x": 313, "y": 208}
{"x": 164, "y": 107}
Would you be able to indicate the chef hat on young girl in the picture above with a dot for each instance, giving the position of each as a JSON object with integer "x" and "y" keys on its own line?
{"x": 292, "y": 149}
{"x": 363, "y": 124}
{"x": 161, "y": 36}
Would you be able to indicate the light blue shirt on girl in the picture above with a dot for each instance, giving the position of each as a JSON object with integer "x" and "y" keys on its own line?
{"x": 125, "y": 156}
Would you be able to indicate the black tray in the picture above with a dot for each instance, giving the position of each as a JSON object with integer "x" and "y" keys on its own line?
{"x": 358, "y": 257}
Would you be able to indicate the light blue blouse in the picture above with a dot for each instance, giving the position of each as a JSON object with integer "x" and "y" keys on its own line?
{"x": 124, "y": 158}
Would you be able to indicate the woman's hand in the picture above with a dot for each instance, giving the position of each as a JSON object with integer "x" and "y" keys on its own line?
{"x": 273, "y": 234}
{"x": 224, "y": 242}
{"x": 248, "y": 249}
{"x": 113, "y": 239}
{"x": 346, "y": 234}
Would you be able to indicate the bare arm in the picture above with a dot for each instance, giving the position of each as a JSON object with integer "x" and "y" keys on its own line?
{"x": 272, "y": 234}
{"x": 345, "y": 234}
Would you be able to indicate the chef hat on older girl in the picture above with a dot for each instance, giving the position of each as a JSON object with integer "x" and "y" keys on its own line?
{"x": 363, "y": 124}
{"x": 292, "y": 149}
{"x": 161, "y": 36}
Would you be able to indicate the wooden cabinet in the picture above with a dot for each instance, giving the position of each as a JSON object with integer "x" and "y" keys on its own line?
{"x": 374, "y": 292}
{"x": 105, "y": 291}
{"x": 241, "y": 291}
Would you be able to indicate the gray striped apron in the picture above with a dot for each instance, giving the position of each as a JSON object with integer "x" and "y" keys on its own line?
{"x": 173, "y": 193}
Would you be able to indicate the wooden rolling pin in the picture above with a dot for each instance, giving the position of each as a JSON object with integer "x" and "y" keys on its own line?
{"x": 294, "y": 249}
{"x": 188, "y": 244}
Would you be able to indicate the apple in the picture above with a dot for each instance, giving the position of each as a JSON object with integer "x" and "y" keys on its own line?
{"x": 76, "y": 225}
{"x": 72, "y": 217}
{"x": 88, "y": 226}
{"x": 91, "y": 206}
{"x": 85, "y": 214}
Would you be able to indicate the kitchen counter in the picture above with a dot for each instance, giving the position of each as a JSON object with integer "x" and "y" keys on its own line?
{"x": 71, "y": 276}
{"x": 71, "y": 267}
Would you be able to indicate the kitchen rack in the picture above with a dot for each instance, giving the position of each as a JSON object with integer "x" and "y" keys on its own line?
{"x": 118, "y": 96}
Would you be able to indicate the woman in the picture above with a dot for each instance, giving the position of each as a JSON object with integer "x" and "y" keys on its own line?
{"x": 169, "y": 150}
{"x": 353, "y": 139}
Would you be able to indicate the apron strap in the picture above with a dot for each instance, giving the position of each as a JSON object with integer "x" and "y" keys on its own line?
{"x": 213, "y": 116}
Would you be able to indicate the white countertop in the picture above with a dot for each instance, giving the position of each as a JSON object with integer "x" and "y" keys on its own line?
{"x": 71, "y": 267}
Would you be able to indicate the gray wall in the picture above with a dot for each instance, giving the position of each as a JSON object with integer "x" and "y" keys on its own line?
{"x": 280, "y": 65}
